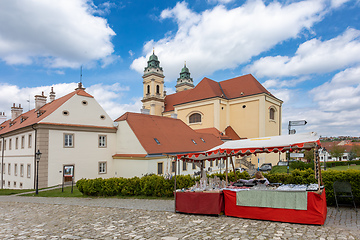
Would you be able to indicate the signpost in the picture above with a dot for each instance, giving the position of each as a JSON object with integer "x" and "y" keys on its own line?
{"x": 293, "y": 131}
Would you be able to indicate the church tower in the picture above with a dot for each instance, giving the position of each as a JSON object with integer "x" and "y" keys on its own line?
{"x": 184, "y": 82}
{"x": 154, "y": 94}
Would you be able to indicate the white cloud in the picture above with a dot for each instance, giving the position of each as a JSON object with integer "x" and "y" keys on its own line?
{"x": 342, "y": 93}
{"x": 54, "y": 33}
{"x": 313, "y": 56}
{"x": 334, "y": 109}
{"x": 108, "y": 96}
{"x": 222, "y": 38}
{"x": 219, "y": 1}
{"x": 338, "y": 3}
{"x": 284, "y": 83}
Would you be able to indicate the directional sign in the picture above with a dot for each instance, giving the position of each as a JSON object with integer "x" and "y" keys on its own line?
{"x": 292, "y": 131}
{"x": 297, "y": 123}
{"x": 297, "y": 155}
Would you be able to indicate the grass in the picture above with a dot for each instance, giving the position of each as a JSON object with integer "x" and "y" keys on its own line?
{"x": 344, "y": 168}
{"x": 76, "y": 193}
{"x": 57, "y": 193}
{"x": 283, "y": 169}
{"x": 13, "y": 191}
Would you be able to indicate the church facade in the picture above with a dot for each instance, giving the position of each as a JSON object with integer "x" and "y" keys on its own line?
{"x": 239, "y": 105}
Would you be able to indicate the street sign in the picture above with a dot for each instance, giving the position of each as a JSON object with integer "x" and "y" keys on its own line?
{"x": 292, "y": 131}
{"x": 297, "y": 123}
{"x": 299, "y": 155}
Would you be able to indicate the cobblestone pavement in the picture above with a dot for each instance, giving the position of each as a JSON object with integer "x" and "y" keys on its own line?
{"x": 111, "y": 218}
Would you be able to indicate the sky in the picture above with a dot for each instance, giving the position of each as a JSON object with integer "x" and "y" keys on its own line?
{"x": 306, "y": 53}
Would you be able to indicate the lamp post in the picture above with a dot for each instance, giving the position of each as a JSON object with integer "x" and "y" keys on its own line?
{"x": 38, "y": 156}
{"x": 324, "y": 152}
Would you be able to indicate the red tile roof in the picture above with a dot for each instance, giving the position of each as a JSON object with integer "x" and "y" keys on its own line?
{"x": 215, "y": 132}
{"x": 173, "y": 135}
{"x": 237, "y": 87}
{"x": 31, "y": 117}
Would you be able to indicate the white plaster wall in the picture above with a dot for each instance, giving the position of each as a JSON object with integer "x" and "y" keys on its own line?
{"x": 79, "y": 113}
{"x": 85, "y": 155}
{"x": 19, "y": 156}
{"x": 127, "y": 142}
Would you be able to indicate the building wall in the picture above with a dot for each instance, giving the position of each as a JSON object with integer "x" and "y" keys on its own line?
{"x": 244, "y": 117}
{"x": 21, "y": 156}
{"x": 79, "y": 113}
{"x": 205, "y": 108}
{"x": 85, "y": 155}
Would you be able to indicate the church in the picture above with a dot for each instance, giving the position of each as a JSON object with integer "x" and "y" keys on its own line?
{"x": 231, "y": 109}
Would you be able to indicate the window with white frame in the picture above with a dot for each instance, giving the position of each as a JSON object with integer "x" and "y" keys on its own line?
{"x": 16, "y": 143}
{"x": 68, "y": 140}
{"x": 195, "y": 118}
{"x": 28, "y": 171}
{"x": 10, "y": 142}
{"x": 160, "y": 168}
{"x": 9, "y": 168}
{"x": 184, "y": 166}
{"x": 173, "y": 166}
{"x": 22, "y": 141}
{"x": 102, "y": 167}
{"x": 21, "y": 170}
{"x": 30, "y": 141}
{"x": 272, "y": 113}
{"x": 15, "y": 169}
{"x": 102, "y": 141}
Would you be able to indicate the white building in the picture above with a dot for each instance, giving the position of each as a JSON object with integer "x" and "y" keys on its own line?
{"x": 75, "y": 131}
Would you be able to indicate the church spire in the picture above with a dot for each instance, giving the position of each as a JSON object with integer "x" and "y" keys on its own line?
{"x": 184, "y": 82}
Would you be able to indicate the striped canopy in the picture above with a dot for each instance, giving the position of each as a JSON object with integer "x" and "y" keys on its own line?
{"x": 246, "y": 147}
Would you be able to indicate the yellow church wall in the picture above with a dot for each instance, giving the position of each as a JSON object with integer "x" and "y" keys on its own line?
{"x": 272, "y": 127}
{"x": 245, "y": 121}
{"x": 206, "y": 109}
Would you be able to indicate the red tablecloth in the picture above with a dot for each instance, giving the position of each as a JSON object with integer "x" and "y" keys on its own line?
{"x": 200, "y": 202}
{"x": 315, "y": 213}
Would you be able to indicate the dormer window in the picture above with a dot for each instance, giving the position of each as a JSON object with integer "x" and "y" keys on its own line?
{"x": 202, "y": 139}
{"x": 23, "y": 119}
{"x": 157, "y": 141}
{"x": 40, "y": 112}
{"x": 193, "y": 141}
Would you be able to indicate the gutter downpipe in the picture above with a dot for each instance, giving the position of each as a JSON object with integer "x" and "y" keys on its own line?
{"x": 2, "y": 162}
{"x": 32, "y": 126}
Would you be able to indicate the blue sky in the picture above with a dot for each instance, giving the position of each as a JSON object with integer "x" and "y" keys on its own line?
{"x": 306, "y": 53}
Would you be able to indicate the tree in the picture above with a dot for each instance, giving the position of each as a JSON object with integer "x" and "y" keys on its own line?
{"x": 354, "y": 152}
{"x": 337, "y": 151}
{"x": 309, "y": 155}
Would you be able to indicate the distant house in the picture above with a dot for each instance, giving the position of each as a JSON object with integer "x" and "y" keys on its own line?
{"x": 327, "y": 147}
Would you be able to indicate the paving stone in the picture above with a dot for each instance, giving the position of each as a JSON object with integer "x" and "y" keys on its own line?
{"x": 77, "y": 218}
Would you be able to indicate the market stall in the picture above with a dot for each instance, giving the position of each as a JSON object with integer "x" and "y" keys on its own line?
{"x": 302, "y": 205}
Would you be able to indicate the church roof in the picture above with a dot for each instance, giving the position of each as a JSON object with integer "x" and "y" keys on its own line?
{"x": 35, "y": 116}
{"x": 172, "y": 135}
{"x": 237, "y": 87}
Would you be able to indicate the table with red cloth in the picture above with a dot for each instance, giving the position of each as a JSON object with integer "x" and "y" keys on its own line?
{"x": 200, "y": 202}
{"x": 315, "y": 213}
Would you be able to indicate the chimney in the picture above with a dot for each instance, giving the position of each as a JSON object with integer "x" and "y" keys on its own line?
{"x": 2, "y": 117}
{"x": 52, "y": 95}
{"x": 16, "y": 111}
{"x": 40, "y": 100}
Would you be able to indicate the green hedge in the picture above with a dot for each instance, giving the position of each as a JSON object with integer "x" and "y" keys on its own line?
{"x": 340, "y": 163}
{"x": 157, "y": 186}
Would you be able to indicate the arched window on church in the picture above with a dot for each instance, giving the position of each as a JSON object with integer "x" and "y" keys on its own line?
{"x": 272, "y": 113}
{"x": 195, "y": 118}
{"x": 148, "y": 89}
{"x": 157, "y": 89}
